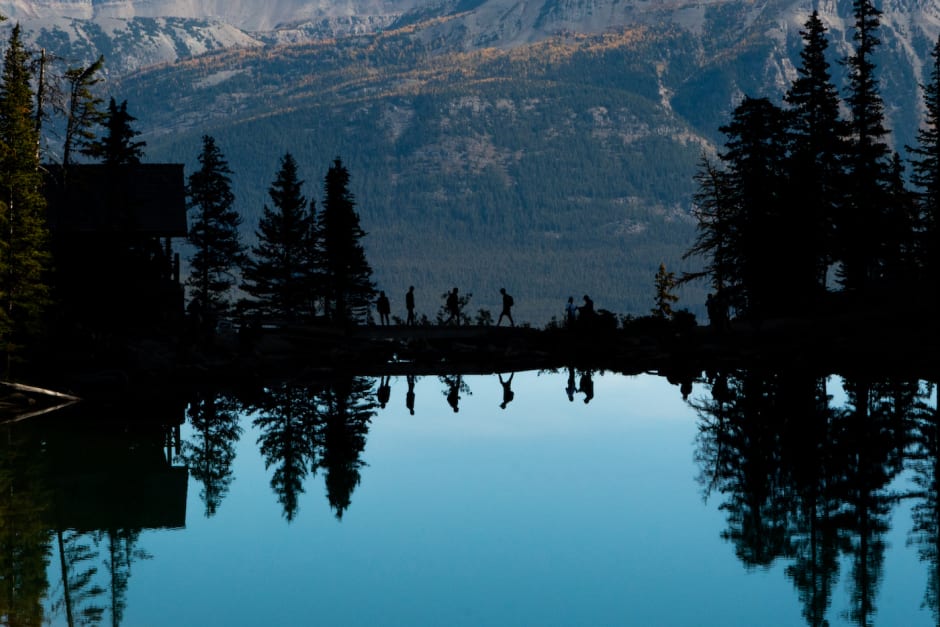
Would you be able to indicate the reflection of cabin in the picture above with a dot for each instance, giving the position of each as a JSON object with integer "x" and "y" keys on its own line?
{"x": 112, "y": 229}
{"x": 112, "y": 467}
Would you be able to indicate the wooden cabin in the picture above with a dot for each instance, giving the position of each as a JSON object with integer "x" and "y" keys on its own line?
{"x": 112, "y": 230}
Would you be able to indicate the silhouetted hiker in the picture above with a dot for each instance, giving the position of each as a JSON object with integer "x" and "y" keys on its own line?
{"x": 586, "y": 311}
{"x": 410, "y": 306}
{"x": 571, "y": 312}
{"x": 384, "y": 391}
{"x": 384, "y": 308}
{"x": 587, "y": 386}
{"x": 507, "y": 307}
{"x": 410, "y": 396}
{"x": 508, "y": 394}
{"x": 453, "y": 308}
{"x": 571, "y": 388}
{"x": 453, "y": 394}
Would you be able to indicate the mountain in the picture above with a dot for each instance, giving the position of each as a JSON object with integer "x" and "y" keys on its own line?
{"x": 247, "y": 15}
{"x": 546, "y": 147}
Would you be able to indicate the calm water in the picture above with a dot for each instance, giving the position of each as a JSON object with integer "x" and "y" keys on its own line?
{"x": 637, "y": 508}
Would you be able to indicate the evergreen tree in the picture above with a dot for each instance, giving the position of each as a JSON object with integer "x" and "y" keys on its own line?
{"x": 715, "y": 240}
{"x": 117, "y": 147}
{"x": 279, "y": 273}
{"x": 867, "y": 211}
{"x": 214, "y": 230}
{"x": 346, "y": 273}
{"x": 665, "y": 283}
{"x": 901, "y": 266}
{"x": 83, "y": 112}
{"x": 757, "y": 187}
{"x": 24, "y": 256}
{"x": 926, "y": 176}
{"x": 817, "y": 144}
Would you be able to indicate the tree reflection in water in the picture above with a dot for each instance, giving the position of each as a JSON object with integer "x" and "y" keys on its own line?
{"x": 287, "y": 419}
{"x": 925, "y": 464}
{"x": 307, "y": 427}
{"x": 83, "y": 486}
{"x": 215, "y": 420}
{"x": 804, "y": 482}
{"x": 810, "y": 483}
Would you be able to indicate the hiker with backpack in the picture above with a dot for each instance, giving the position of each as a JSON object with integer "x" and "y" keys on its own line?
{"x": 507, "y": 307}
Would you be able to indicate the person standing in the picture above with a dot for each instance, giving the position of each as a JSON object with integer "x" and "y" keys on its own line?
{"x": 410, "y": 306}
{"x": 453, "y": 308}
{"x": 571, "y": 312}
{"x": 384, "y": 308}
{"x": 507, "y": 307}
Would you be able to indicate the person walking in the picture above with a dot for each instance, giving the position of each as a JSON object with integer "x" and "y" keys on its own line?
{"x": 507, "y": 307}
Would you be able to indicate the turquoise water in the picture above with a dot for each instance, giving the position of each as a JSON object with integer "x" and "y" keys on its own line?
{"x": 547, "y": 511}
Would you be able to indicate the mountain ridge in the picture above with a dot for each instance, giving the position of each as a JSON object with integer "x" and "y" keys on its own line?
{"x": 547, "y": 147}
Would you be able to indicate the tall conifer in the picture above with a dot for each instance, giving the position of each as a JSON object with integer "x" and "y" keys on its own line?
{"x": 757, "y": 186}
{"x": 278, "y": 274}
{"x": 346, "y": 273}
{"x": 24, "y": 256}
{"x": 863, "y": 253}
{"x": 716, "y": 238}
{"x": 83, "y": 110}
{"x": 818, "y": 144}
{"x": 214, "y": 230}
{"x": 118, "y": 146}
{"x": 926, "y": 175}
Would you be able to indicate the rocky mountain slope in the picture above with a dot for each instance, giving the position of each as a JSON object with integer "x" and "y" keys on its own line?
{"x": 545, "y": 146}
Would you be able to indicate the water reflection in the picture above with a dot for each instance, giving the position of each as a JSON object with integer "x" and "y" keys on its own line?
{"x": 214, "y": 418}
{"x": 306, "y": 427}
{"x": 83, "y": 486}
{"x": 808, "y": 482}
{"x": 804, "y": 481}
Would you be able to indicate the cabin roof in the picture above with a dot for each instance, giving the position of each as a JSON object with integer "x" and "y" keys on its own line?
{"x": 147, "y": 199}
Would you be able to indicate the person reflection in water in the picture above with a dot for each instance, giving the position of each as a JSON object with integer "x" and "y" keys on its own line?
{"x": 453, "y": 393}
{"x": 587, "y": 386}
{"x": 508, "y": 394}
{"x": 384, "y": 391}
{"x": 571, "y": 387}
{"x": 410, "y": 396}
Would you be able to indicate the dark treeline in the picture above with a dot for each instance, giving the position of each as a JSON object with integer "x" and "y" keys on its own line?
{"x": 72, "y": 215}
{"x": 803, "y": 196}
{"x": 305, "y": 262}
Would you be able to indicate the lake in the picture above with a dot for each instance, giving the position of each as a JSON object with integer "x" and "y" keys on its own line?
{"x": 566, "y": 498}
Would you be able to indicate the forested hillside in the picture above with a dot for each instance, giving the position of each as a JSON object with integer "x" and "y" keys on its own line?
{"x": 551, "y": 171}
{"x": 548, "y": 149}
